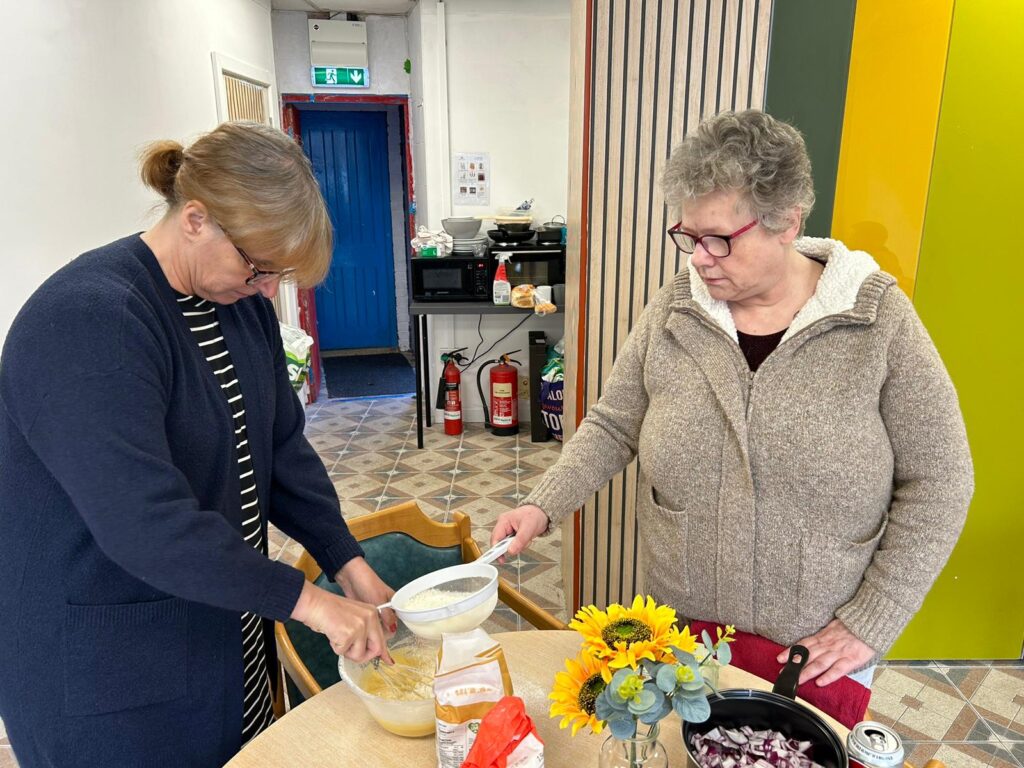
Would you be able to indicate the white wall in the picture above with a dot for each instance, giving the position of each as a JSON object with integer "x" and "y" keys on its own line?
{"x": 490, "y": 76}
{"x": 508, "y": 94}
{"x": 385, "y": 41}
{"x": 86, "y": 85}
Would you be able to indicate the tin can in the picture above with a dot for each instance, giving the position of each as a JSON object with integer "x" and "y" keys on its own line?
{"x": 873, "y": 745}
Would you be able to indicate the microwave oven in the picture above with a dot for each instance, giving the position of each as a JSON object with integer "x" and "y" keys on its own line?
{"x": 535, "y": 264}
{"x": 453, "y": 278}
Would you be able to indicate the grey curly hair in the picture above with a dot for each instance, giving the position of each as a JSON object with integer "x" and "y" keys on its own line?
{"x": 763, "y": 158}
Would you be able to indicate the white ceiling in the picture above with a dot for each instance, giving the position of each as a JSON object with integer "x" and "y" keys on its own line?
{"x": 395, "y": 7}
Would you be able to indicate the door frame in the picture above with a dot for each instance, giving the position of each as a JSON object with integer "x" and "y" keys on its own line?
{"x": 291, "y": 123}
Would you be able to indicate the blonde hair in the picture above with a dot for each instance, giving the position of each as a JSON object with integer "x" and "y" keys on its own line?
{"x": 257, "y": 184}
{"x": 751, "y": 152}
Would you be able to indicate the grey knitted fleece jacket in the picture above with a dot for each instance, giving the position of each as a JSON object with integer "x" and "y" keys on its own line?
{"x": 834, "y": 482}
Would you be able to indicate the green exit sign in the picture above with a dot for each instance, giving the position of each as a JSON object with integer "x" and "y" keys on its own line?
{"x": 358, "y": 77}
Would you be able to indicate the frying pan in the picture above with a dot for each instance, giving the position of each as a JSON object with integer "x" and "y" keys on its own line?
{"x": 777, "y": 710}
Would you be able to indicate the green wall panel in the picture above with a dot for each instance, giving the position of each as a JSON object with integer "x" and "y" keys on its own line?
{"x": 969, "y": 282}
{"x": 808, "y": 65}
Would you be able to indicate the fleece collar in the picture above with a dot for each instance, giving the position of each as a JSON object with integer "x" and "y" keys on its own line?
{"x": 838, "y": 290}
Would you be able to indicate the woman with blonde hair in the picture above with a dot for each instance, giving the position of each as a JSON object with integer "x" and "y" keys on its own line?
{"x": 148, "y": 434}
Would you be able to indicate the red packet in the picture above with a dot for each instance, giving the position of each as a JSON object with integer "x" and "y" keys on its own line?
{"x": 507, "y": 739}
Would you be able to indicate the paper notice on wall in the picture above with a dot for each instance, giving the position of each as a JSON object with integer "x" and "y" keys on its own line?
{"x": 471, "y": 178}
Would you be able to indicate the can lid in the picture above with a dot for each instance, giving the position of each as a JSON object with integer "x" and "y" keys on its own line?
{"x": 875, "y": 744}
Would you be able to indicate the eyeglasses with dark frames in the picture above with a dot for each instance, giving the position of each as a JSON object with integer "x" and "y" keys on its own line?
{"x": 718, "y": 246}
{"x": 260, "y": 276}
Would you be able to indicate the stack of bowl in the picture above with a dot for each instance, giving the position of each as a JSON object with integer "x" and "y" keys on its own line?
{"x": 464, "y": 231}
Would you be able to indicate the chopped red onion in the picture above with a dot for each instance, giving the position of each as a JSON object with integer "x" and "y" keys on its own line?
{"x": 746, "y": 748}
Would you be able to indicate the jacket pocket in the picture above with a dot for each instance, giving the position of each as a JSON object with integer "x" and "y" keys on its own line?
{"x": 123, "y": 656}
{"x": 831, "y": 571}
{"x": 675, "y": 546}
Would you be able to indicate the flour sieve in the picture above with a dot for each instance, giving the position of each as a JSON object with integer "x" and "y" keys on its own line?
{"x": 454, "y": 599}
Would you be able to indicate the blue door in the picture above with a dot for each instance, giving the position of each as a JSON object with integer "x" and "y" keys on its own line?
{"x": 355, "y": 305}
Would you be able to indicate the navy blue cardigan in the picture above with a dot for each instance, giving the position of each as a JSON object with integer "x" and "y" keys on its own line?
{"x": 122, "y": 568}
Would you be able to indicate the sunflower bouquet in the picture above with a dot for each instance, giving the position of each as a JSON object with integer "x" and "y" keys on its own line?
{"x": 635, "y": 666}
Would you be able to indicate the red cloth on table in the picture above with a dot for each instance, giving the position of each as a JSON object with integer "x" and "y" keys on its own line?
{"x": 845, "y": 700}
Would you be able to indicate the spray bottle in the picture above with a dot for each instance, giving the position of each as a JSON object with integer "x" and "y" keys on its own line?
{"x": 502, "y": 287}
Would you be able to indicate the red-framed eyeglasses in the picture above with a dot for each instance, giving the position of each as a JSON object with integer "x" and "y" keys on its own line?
{"x": 718, "y": 246}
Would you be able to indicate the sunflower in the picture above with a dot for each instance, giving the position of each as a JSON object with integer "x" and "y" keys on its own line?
{"x": 576, "y": 691}
{"x": 623, "y": 636}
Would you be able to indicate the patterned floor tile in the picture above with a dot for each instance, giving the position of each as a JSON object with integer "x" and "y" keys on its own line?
{"x": 357, "y": 507}
{"x": 376, "y": 441}
{"x": 415, "y": 485}
{"x": 528, "y": 479}
{"x": 328, "y": 441}
{"x": 364, "y": 462}
{"x": 350, "y": 408}
{"x": 483, "y": 510}
{"x": 427, "y": 461}
{"x": 385, "y": 424}
{"x": 7, "y": 758}
{"x": 338, "y": 424}
{"x": 963, "y": 755}
{"x": 1016, "y": 749}
{"x": 486, "y": 460}
{"x": 542, "y": 583}
{"x": 397, "y": 406}
{"x": 357, "y": 486}
{"x": 476, "y": 437}
{"x": 542, "y": 459}
{"x": 999, "y": 699}
{"x": 503, "y": 619}
{"x": 275, "y": 541}
{"x": 435, "y": 439}
{"x": 486, "y": 483}
{"x": 436, "y": 509}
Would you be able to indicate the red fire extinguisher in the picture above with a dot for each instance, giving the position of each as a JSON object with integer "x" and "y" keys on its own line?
{"x": 502, "y": 417}
{"x": 449, "y": 397}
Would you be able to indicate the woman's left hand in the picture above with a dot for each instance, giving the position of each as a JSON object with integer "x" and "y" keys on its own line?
{"x": 361, "y": 582}
{"x": 833, "y": 652}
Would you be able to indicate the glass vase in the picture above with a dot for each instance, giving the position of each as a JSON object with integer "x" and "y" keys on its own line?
{"x": 642, "y": 751}
{"x": 710, "y": 671}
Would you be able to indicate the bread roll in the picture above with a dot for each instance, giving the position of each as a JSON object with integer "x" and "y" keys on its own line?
{"x": 522, "y": 296}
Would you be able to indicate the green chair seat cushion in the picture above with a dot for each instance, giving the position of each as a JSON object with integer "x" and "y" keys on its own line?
{"x": 398, "y": 559}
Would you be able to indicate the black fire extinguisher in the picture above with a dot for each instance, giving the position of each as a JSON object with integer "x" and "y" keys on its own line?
{"x": 449, "y": 396}
{"x": 502, "y": 417}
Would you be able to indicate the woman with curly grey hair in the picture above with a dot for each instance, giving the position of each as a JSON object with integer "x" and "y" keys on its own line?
{"x": 804, "y": 465}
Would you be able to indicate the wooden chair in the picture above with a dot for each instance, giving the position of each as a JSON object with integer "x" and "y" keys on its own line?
{"x": 402, "y": 544}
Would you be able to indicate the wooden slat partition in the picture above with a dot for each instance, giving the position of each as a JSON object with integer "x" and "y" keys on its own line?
{"x": 644, "y": 72}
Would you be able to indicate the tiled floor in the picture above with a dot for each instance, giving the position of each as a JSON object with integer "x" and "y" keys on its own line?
{"x": 966, "y": 714}
{"x": 369, "y": 448}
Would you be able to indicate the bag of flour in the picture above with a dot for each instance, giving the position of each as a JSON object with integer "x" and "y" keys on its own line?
{"x": 471, "y": 678}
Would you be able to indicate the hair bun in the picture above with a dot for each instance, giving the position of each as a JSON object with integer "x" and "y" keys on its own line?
{"x": 159, "y": 166}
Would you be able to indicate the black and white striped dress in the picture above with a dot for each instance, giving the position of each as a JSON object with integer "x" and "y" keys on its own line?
{"x": 257, "y": 707}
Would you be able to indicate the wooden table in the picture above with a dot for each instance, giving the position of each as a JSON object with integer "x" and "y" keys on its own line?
{"x": 334, "y": 729}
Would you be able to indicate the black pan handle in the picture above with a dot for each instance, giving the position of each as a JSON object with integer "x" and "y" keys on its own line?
{"x": 789, "y": 677}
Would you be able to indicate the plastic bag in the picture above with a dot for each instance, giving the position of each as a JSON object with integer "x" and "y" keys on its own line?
{"x": 552, "y": 390}
{"x": 442, "y": 241}
{"x": 297, "y": 345}
{"x": 471, "y": 678}
{"x": 507, "y": 739}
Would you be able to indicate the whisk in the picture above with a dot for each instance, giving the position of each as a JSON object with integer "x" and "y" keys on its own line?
{"x": 401, "y": 678}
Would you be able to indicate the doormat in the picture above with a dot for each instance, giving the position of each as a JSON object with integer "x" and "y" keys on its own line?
{"x": 366, "y": 375}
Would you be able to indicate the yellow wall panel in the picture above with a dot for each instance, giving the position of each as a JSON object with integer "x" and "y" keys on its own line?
{"x": 892, "y": 108}
{"x": 969, "y": 299}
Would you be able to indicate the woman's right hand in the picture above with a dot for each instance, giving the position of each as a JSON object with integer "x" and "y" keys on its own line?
{"x": 526, "y": 522}
{"x": 353, "y": 628}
